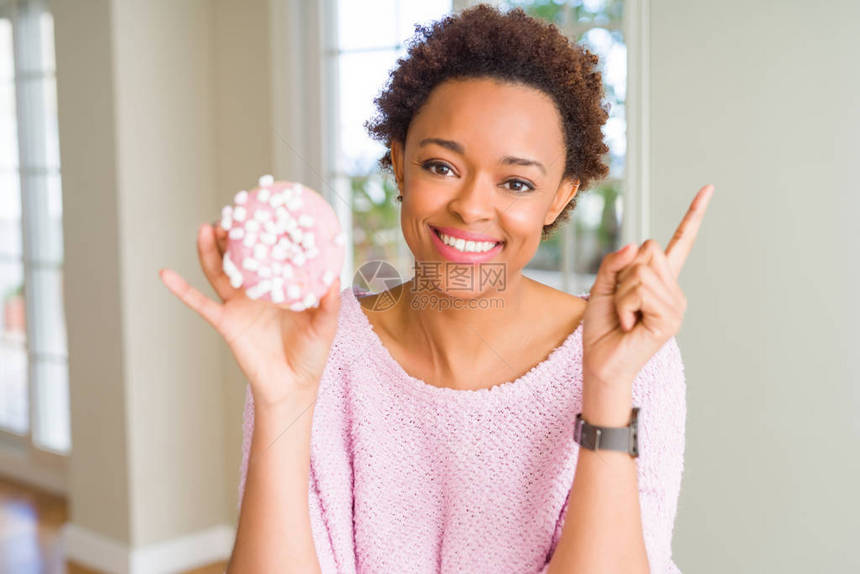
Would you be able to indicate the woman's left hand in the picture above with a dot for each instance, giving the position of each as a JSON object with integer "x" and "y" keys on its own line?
{"x": 636, "y": 304}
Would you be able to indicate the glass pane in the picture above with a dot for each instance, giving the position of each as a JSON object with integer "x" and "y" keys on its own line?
{"x": 13, "y": 388}
{"x": 46, "y": 25}
{"x": 423, "y": 12}
{"x": 45, "y": 218}
{"x": 8, "y": 126}
{"x": 49, "y": 121}
{"x": 362, "y": 76}
{"x": 550, "y": 10}
{"x": 367, "y": 24}
{"x": 52, "y": 405}
{"x": 10, "y": 215}
{"x": 598, "y": 11}
{"x": 13, "y": 350}
{"x": 32, "y": 146}
{"x": 7, "y": 67}
{"x": 597, "y": 220}
{"x": 581, "y": 12}
{"x": 12, "y": 320}
{"x": 610, "y": 48}
{"x": 47, "y": 314}
{"x": 549, "y": 254}
{"x": 376, "y": 221}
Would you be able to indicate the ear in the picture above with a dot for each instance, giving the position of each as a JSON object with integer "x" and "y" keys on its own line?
{"x": 397, "y": 162}
{"x": 563, "y": 195}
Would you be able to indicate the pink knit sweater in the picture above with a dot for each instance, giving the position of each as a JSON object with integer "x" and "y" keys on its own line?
{"x": 410, "y": 477}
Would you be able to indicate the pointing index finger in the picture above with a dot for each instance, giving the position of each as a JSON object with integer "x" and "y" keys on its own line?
{"x": 682, "y": 242}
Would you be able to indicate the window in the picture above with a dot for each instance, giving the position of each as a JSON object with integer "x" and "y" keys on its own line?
{"x": 34, "y": 404}
{"x": 359, "y": 62}
{"x": 570, "y": 258}
{"x": 368, "y": 40}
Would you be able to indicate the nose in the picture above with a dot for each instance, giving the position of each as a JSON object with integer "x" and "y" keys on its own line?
{"x": 475, "y": 200}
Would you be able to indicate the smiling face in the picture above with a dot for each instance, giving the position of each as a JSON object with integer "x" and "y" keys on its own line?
{"x": 483, "y": 161}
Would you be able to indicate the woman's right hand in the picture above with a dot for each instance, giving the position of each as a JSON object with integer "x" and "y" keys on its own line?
{"x": 281, "y": 352}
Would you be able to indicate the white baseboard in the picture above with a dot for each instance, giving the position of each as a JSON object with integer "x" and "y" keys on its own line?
{"x": 179, "y": 554}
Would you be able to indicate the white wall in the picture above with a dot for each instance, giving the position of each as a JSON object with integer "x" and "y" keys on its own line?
{"x": 763, "y": 100}
{"x": 164, "y": 111}
{"x": 99, "y": 501}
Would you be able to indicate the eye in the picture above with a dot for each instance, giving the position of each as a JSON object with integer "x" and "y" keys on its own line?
{"x": 526, "y": 186}
{"x": 430, "y": 165}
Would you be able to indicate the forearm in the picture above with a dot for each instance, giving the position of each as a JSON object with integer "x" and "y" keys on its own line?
{"x": 274, "y": 532}
{"x": 602, "y": 531}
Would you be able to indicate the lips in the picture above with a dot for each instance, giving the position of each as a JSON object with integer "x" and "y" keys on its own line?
{"x": 454, "y": 255}
{"x": 465, "y": 235}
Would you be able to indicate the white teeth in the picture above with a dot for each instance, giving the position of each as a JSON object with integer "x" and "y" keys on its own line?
{"x": 467, "y": 246}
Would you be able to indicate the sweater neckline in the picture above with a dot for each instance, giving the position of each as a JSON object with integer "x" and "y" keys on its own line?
{"x": 540, "y": 374}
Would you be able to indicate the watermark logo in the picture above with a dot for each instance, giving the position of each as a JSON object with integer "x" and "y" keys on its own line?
{"x": 451, "y": 276}
{"x": 378, "y": 278}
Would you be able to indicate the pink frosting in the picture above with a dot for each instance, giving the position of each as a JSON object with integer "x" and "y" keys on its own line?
{"x": 285, "y": 243}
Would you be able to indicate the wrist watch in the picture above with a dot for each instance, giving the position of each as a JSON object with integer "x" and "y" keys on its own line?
{"x": 596, "y": 437}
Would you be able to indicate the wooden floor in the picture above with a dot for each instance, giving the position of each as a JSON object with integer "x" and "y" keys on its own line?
{"x": 30, "y": 522}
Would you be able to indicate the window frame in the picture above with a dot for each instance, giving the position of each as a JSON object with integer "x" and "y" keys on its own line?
{"x": 20, "y": 456}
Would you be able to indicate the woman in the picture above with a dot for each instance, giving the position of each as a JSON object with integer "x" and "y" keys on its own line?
{"x": 435, "y": 432}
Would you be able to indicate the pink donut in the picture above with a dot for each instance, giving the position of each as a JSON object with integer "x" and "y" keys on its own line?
{"x": 285, "y": 244}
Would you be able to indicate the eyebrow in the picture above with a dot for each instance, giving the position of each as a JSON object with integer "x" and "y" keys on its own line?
{"x": 458, "y": 148}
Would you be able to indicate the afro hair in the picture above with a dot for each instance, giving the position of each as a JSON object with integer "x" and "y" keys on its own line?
{"x": 485, "y": 42}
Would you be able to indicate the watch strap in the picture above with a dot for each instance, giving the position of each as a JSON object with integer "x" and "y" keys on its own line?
{"x": 595, "y": 437}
